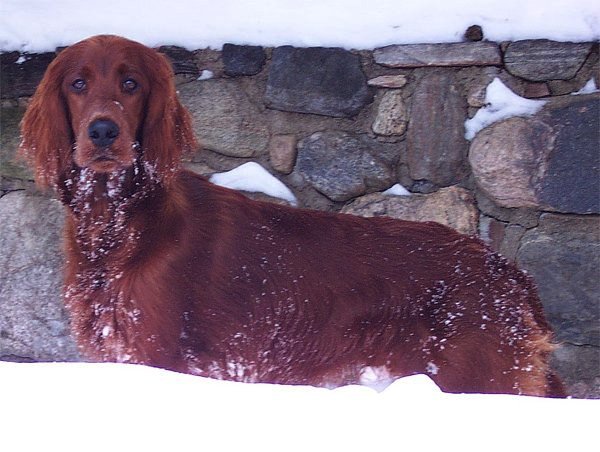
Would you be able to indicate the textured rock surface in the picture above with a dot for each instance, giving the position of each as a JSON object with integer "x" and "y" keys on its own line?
{"x": 392, "y": 117}
{"x": 243, "y": 60}
{"x": 579, "y": 368}
{"x": 563, "y": 255}
{"x": 33, "y": 323}
{"x": 342, "y": 165}
{"x": 21, "y": 73}
{"x": 323, "y": 81}
{"x": 423, "y": 186}
{"x": 536, "y": 89}
{"x": 474, "y": 33}
{"x": 452, "y": 206}
{"x": 507, "y": 160}
{"x": 502, "y": 237}
{"x": 181, "y": 59}
{"x": 282, "y": 153}
{"x": 436, "y": 146}
{"x": 528, "y": 218}
{"x": 540, "y": 60}
{"x": 224, "y": 119}
{"x": 571, "y": 181}
{"x": 478, "y": 80}
{"x": 388, "y": 81}
{"x": 550, "y": 161}
{"x": 455, "y": 54}
{"x": 10, "y": 137}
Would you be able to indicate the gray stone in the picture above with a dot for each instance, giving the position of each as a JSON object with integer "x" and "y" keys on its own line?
{"x": 474, "y": 33}
{"x": 282, "y": 153}
{"x": 507, "y": 160}
{"x": 436, "y": 146}
{"x": 243, "y": 60}
{"x": 579, "y": 368}
{"x": 563, "y": 256}
{"x": 423, "y": 186}
{"x": 182, "y": 60}
{"x": 491, "y": 231}
{"x": 10, "y": 137}
{"x": 8, "y": 184}
{"x": 33, "y": 322}
{"x": 388, "y": 81}
{"x": 511, "y": 241}
{"x": 224, "y": 119}
{"x": 209, "y": 60}
{"x": 476, "y": 96}
{"x": 549, "y": 162}
{"x": 589, "y": 70}
{"x": 501, "y": 237}
{"x": 452, "y": 206}
{"x": 541, "y": 60}
{"x": 323, "y": 81}
{"x": 535, "y": 90}
{"x": 571, "y": 180}
{"x": 454, "y": 54}
{"x": 392, "y": 117}
{"x": 344, "y": 165}
{"x": 21, "y": 73}
{"x": 200, "y": 168}
{"x": 527, "y": 218}
{"x": 476, "y": 81}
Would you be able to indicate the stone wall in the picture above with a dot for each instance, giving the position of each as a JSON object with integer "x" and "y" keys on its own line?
{"x": 338, "y": 128}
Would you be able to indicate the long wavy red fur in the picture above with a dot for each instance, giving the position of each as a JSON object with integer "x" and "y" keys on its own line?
{"x": 165, "y": 269}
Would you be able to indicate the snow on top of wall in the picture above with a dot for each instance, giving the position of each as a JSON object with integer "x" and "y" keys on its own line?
{"x": 39, "y": 25}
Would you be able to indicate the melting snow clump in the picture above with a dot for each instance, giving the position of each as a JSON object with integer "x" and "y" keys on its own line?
{"x": 206, "y": 75}
{"x": 501, "y": 103}
{"x": 252, "y": 177}
{"x": 396, "y": 190}
{"x": 589, "y": 88}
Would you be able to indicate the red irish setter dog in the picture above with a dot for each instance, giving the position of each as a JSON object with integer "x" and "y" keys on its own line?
{"x": 165, "y": 269}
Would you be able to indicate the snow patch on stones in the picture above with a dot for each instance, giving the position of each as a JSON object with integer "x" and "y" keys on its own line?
{"x": 501, "y": 103}
{"x": 252, "y": 177}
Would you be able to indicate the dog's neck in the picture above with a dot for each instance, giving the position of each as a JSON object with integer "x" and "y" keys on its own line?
{"x": 101, "y": 206}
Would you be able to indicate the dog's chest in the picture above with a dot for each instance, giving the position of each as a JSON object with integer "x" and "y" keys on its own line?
{"x": 106, "y": 319}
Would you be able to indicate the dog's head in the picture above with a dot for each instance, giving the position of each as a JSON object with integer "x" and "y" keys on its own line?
{"x": 104, "y": 103}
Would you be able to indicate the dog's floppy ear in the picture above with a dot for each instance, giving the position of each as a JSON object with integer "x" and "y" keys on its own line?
{"x": 167, "y": 129}
{"x": 46, "y": 136}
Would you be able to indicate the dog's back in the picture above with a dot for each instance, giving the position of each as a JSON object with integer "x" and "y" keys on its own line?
{"x": 295, "y": 296}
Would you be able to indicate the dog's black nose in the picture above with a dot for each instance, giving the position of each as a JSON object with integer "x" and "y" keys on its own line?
{"x": 103, "y": 132}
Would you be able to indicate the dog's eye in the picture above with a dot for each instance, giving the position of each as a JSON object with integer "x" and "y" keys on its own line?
{"x": 130, "y": 85}
{"x": 78, "y": 84}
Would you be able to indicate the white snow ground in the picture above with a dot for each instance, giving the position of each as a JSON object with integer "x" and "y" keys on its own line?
{"x": 100, "y": 407}
{"x": 120, "y": 407}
